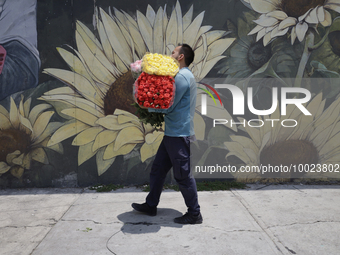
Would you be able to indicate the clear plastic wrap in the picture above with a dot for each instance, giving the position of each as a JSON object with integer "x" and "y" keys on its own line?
{"x": 154, "y": 91}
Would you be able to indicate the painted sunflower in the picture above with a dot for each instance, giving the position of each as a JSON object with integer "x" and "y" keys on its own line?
{"x": 24, "y": 134}
{"x": 247, "y": 55}
{"x": 278, "y": 16}
{"x": 315, "y": 140}
{"x": 99, "y": 94}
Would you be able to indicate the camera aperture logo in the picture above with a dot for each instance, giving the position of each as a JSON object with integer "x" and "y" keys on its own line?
{"x": 204, "y": 97}
{"x": 239, "y": 102}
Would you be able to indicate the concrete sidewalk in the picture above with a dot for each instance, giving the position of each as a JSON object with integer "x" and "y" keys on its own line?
{"x": 276, "y": 219}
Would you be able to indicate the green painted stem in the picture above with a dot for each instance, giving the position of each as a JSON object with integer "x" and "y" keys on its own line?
{"x": 309, "y": 41}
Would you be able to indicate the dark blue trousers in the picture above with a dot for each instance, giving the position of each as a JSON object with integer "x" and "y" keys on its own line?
{"x": 173, "y": 152}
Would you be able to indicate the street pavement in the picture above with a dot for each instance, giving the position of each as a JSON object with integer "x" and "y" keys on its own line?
{"x": 261, "y": 219}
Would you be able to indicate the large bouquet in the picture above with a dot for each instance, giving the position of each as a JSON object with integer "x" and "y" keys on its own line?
{"x": 155, "y": 86}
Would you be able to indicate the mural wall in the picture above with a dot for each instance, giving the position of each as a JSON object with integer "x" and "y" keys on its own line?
{"x": 66, "y": 111}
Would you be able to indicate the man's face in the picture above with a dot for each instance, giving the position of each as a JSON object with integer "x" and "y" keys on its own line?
{"x": 176, "y": 55}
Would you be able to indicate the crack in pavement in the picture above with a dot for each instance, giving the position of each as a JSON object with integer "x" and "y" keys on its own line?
{"x": 275, "y": 241}
{"x": 88, "y": 220}
{"x": 303, "y": 223}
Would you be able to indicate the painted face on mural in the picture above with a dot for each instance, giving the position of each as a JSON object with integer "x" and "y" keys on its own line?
{"x": 176, "y": 55}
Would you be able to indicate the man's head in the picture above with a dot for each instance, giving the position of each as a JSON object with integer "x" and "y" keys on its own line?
{"x": 184, "y": 54}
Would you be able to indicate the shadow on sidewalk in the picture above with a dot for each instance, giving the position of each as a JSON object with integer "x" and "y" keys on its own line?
{"x": 138, "y": 223}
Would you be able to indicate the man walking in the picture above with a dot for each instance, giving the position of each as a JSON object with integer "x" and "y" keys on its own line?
{"x": 174, "y": 151}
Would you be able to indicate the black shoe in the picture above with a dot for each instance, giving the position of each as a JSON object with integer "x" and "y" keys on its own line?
{"x": 189, "y": 219}
{"x": 145, "y": 208}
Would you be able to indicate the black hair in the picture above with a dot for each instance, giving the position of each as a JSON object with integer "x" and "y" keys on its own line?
{"x": 188, "y": 53}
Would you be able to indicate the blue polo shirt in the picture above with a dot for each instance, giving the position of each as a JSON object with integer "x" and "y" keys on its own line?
{"x": 179, "y": 118}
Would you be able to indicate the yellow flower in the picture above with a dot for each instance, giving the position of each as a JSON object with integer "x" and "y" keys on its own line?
{"x": 99, "y": 94}
{"x": 160, "y": 64}
{"x": 24, "y": 134}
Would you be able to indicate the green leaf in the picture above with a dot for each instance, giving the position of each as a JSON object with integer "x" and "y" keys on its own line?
{"x": 335, "y": 25}
{"x": 218, "y": 135}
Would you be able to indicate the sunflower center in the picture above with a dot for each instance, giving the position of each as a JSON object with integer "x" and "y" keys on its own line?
{"x": 289, "y": 152}
{"x": 12, "y": 140}
{"x": 120, "y": 95}
{"x": 334, "y": 40}
{"x": 296, "y": 8}
{"x": 258, "y": 55}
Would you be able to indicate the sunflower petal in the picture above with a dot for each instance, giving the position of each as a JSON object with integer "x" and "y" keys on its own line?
{"x": 104, "y": 138}
{"x": 27, "y": 106}
{"x": 80, "y": 83}
{"x": 264, "y": 6}
{"x": 328, "y": 19}
{"x": 209, "y": 65}
{"x": 81, "y": 103}
{"x": 150, "y": 14}
{"x": 111, "y": 153}
{"x": 218, "y": 47}
{"x": 266, "y": 21}
{"x": 158, "y": 40}
{"x": 128, "y": 135}
{"x": 245, "y": 142}
{"x": 39, "y": 155}
{"x": 212, "y": 36}
{"x": 111, "y": 122}
{"x": 41, "y": 123}
{"x": 18, "y": 160}
{"x": 280, "y": 15}
{"x": 49, "y": 130}
{"x": 288, "y": 22}
{"x": 320, "y": 12}
{"x": 81, "y": 115}
{"x": 85, "y": 153}
{"x": 17, "y": 171}
{"x": 61, "y": 91}
{"x": 138, "y": 39}
{"x": 145, "y": 29}
{"x": 57, "y": 147}
{"x": 4, "y": 111}
{"x": 116, "y": 38}
{"x": 103, "y": 165}
{"x": 122, "y": 119}
{"x": 192, "y": 30}
{"x": 105, "y": 41}
{"x": 236, "y": 149}
{"x": 70, "y": 128}
{"x": 95, "y": 60}
{"x": 293, "y": 35}
{"x": 301, "y": 30}
{"x": 171, "y": 30}
{"x": 11, "y": 156}
{"x": 14, "y": 115}
{"x": 149, "y": 150}
{"x": 87, "y": 136}
{"x": 85, "y": 31}
{"x": 255, "y": 30}
{"x": 312, "y": 17}
{"x": 26, "y": 124}
{"x": 74, "y": 63}
{"x": 187, "y": 18}
{"x": 5, "y": 123}
{"x": 266, "y": 39}
{"x": 199, "y": 126}
{"x": 179, "y": 23}
{"x": 4, "y": 167}
{"x": 151, "y": 137}
{"x": 21, "y": 106}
